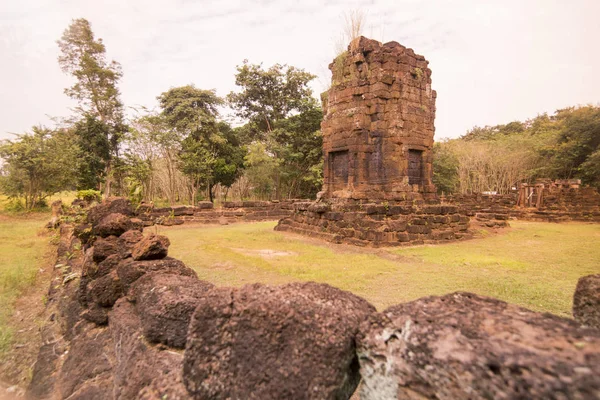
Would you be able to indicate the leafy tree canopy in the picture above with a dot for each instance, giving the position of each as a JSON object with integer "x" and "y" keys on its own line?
{"x": 188, "y": 110}
{"x": 39, "y": 164}
{"x": 210, "y": 153}
{"x": 298, "y": 144}
{"x": 94, "y": 151}
{"x": 84, "y": 57}
{"x": 560, "y": 146}
{"x": 268, "y": 95}
{"x": 95, "y": 89}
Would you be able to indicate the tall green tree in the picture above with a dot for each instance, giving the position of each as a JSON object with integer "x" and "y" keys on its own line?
{"x": 266, "y": 99}
{"x": 152, "y": 140}
{"x": 209, "y": 152}
{"x": 84, "y": 57}
{"x": 269, "y": 95}
{"x": 95, "y": 89}
{"x": 94, "y": 151}
{"x": 260, "y": 170}
{"x": 445, "y": 168}
{"x": 229, "y": 162}
{"x": 573, "y": 155}
{"x": 39, "y": 164}
{"x": 298, "y": 144}
{"x": 189, "y": 110}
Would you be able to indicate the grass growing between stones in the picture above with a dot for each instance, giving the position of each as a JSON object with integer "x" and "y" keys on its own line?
{"x": 24, "y": 248}
{"x": 535, "y": 265}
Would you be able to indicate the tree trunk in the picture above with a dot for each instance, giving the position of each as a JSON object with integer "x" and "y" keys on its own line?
{"x": 194, "y": 191}
{"x": 171, "y": 183}
{"x": 107, "y": 183}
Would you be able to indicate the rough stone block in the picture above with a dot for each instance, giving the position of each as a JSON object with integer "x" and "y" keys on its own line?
{"x": 113, "y": 224}
{"x": 165, "y": 303}
{"x": 106, "y": 290}
{"x": 151, "y": 247}
{"x": 112, "y": 205}
{"x": 287, "y": 342}
{"x": 205, "y": 205}
{"x": 129, "y": 270}
{"x": 104, "y": 247}
{"x": 466, "y": 346}
{"x": 586, "y": 301}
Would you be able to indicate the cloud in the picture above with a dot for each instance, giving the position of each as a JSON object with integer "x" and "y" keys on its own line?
{"x": 492, "y": 61}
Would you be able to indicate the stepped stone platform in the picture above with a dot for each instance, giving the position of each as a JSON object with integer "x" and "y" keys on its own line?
{"x": 378, "y": 132}
{"x": 371, "y": 224}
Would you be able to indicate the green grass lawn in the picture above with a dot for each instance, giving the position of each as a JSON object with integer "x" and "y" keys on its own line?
{"x": 24, "y": 248}
{"x": 535, "y": 265}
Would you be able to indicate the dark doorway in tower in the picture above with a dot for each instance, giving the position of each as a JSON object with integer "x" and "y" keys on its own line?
{"x": 339, "y": 169}
{"x": 415, "y": 167}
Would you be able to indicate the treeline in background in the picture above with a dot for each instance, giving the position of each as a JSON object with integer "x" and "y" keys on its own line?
{"x": 180, "y": 152}
{"x": 565, "y": 145}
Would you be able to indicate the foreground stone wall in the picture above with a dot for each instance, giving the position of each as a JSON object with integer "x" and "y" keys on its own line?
{"x": 125, "y": 321}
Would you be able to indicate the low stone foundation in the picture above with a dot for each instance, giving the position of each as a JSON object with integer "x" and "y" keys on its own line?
{"x": 560, "y": 205}
{"x": 205, "y": 212}
{"x": 371, "y": 224}
{"x": 402, "y": 223}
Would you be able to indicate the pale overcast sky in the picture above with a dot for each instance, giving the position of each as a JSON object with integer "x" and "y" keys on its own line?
{"x": 493, "y": 61}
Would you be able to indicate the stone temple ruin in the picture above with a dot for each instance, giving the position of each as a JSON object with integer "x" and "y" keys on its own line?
{"x": 124, "y": 320}
{"x": 377, "y": 142}
{"x": 378, "y": 133}
{"x": 378, "y": 125}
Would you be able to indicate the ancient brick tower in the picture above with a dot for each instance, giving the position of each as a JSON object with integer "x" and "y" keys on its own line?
{"x": 377, "y": 143}
{"x": 378, "y": 125}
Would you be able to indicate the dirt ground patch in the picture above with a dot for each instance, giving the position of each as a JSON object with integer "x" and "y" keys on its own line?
{"x": 26, "y": 320}
{"x": 266, "y": 253}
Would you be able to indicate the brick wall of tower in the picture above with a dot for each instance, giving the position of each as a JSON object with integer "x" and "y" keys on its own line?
{"x": 379, "y": 109}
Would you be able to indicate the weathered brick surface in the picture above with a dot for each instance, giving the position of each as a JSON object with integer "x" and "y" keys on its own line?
{"x": 380, "y": 110}
{"x": 377, "y": 141}
{"x": 206, "y": 213}
{"x": 377, "y": 224}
